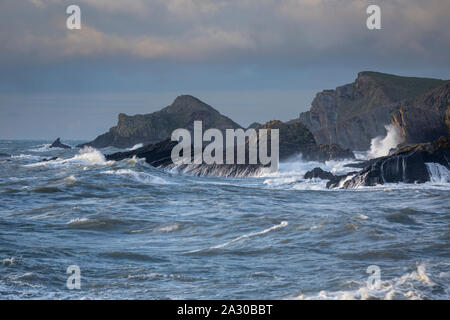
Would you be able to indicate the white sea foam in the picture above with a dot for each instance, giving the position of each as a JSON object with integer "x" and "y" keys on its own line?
{"x": 136, "y": 146}
{"x": 42, "y": 148}
{"x": 291, "y": 174}
{"x": 141, "y": 177}
{"x": 70, "y": 179}
{"x": 245, "y": 236}
{"x": 380, "y": 146}
{"x": 169, "y": 228}
{"x": 403, "y": 287}
{"x": 26, "y": 157}
{"x": 438, "y": 173}
{"x": 361, "y": 216}
{"x": 86, "y": 156}
{"x": 79, "y": 221}
{"x": 9, "y": 261}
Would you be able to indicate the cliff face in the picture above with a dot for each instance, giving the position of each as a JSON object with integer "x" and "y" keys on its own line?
{"x": 426, "y": 117}
{"x": 353, "y": 114}
{"x": 158, "y": 126}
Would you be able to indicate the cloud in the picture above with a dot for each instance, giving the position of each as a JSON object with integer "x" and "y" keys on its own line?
{"x": 240, "y": 31}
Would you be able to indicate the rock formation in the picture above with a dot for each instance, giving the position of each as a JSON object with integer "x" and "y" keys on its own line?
{"x": 294, "y": 137}
{"x": 408, "y": 165}
{"x": 426, "y": 117}
{"x": 158, "y": 126}
{"x": 57, "y": 144}
{"x": 353, "y": 114}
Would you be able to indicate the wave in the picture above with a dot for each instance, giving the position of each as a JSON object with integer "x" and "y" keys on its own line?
{"x": 291, "y": 174}
{"x": 245, "y": 236}
{"x": 403, "y": 287}
{"x": 380, "y": 146}
{"x": 141, "y": 177}
{"x": 86, "y": 156}
{"x": 438, "y": 173}
{"x": 95, "y": 223}
{"x": 26, "y": 157}
{"x": 43, "y": 148}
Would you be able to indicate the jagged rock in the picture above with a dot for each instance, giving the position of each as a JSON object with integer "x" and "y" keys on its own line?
{"x": 407, "y": 165}
{"x": 353, "y": 114}
{"x": 158, "y": 154}
{"x": 49, "y": 159}
{"x": 294, "y": 138}
{"x": 57, "y": 144}
{"x": 158, "y": 126}
{"x": 319, "y": 173}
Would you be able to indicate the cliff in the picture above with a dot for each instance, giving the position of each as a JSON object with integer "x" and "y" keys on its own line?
{"x": 353, "y": 114}
{"x": 426, "y": 117}
{"x": 158, "y": 126}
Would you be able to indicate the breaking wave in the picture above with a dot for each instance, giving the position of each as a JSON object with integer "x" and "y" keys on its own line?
{"x": 141, "y": 177}
{"x": 406, "y": 286}
{"x": 380, "y": 146}
{"x": 86, "y": 156}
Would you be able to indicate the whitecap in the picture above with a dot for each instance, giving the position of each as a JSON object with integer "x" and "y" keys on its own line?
{"x": 398, "y": 287}
{"x": 141, "y": 177}
{"x": 86, "y": 156}
{"x": 245, "y": 236}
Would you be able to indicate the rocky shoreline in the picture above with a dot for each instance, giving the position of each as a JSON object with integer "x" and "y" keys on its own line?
{"x": 407, "y": 165}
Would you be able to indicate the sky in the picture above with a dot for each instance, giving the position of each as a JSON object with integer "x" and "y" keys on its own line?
{"x": 253, "y": 60}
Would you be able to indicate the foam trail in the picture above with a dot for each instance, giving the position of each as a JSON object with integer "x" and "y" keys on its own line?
{"x": 380, "y": 147}
{"x": 141, "y": 177}
{"x": 245, "y": 236}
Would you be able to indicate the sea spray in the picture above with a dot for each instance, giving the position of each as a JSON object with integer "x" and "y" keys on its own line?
{"x": 438, "y": 173}
{"x": 380, "y": 146}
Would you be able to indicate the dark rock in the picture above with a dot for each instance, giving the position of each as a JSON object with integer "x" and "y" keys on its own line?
{"x": 296, "y": 138}
{"x": 49, "y": 159}
{"x": 426, "y": 117}
{"x": 57, "y": 144}
{"x": 407, "y": 165}
{"x": 319, "y": 173}
{"x": 158, "y": 154}
{"x": 4, "y": 155}
{"x": 158, "y": 126}
{"x": 353, "y": 114}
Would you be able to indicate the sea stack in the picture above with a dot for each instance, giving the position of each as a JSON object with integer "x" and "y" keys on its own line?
{"x": 58, "y": 144}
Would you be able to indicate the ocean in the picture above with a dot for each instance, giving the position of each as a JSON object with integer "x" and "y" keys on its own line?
{"x": 138, "y": 232}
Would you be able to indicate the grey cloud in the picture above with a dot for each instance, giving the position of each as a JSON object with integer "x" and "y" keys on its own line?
{"x": 261, "y": 31}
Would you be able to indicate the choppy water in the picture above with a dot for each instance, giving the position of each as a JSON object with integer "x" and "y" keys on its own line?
{"x": 138, "y": 232}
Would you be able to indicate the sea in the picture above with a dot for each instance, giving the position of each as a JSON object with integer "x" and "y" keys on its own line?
{"x": 138, "y": 232}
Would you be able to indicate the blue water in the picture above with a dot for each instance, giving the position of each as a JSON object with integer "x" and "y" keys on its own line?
{"x": 143, "y": 233}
